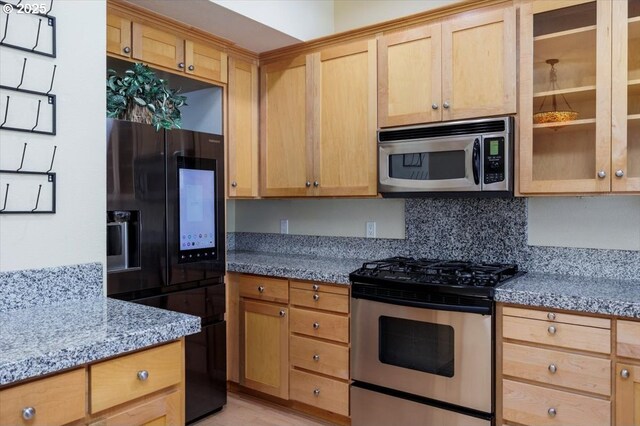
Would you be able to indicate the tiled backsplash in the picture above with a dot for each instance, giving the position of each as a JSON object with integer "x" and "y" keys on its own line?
{"x": 489, "y": 230}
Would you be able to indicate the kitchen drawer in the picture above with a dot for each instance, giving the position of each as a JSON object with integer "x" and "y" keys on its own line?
{"x": 263, "y": 288}
{"x": 321, "y": 287}
{"x": 557, "y": 334}
{"x": 531, "y": 405}
{"x": 119, "y": 380}
{"x": 561, "y": 317}
{"x": 569, "y": 370}
{"x": 163, "y": 410}
{"x": 56, "y": 400}
{"x": 320, "y": 324}
{"x": 327, "y": 394}
{"x": 318, "y": 356}
{"x": 628, "y": 339}
{"x": 320, "y": 300}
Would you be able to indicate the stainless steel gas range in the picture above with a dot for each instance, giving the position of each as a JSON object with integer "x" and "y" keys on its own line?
{"x": 423, "y": 342}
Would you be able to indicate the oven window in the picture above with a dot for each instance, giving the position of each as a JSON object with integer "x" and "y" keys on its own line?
{"x": 440, "y": 165}
{"x": 416, "y": 345}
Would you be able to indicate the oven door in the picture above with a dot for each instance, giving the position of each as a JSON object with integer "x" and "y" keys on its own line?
{"x": 443, "y": 164}
{"x": 442, "y": 355}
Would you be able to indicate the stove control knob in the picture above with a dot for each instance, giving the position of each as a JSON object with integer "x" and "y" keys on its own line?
{"x": 316, "y": 325}
{"x": 316, "y": 297}
{"x": 551, "y": 316}
{"x": 552, "y": 412}
{"x": 553, "y": 368}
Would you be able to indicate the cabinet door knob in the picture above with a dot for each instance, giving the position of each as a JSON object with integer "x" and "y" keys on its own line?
{"x": 316, "y": 392}
{"x": 624, "y": 373}
{"x": 445, "y": 105}
{"x": 619, "y": 173}
{"x": 181, "y": 65}
{"x": 261, "y": 289}
{"x": 434, "y": 106}
{"x": 316, "y": 325}
{"x": 552, "y": 412}
{"x": 234, "y": 184}
{"x": 191, "y": 68}
{"x": 316, "y": 183}
{"x": 307, "y": 184}
{"x": 28, "y": 413}
{"x": 143, "y": 375}
{"x": 552, "y": 329}
{"x": 315, "y": 287}
{"x": 602, "y": 174}
{"x": 316, "y": 357}
{"x": 551, "y": 316}
{"x": 553, "y": 368}
{"x": 316, "y": 297}
{"x": 126, "y": 50}
{"x": 282, "y": 313}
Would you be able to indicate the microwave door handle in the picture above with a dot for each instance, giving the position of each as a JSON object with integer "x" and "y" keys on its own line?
{"x": 476, "y": 161}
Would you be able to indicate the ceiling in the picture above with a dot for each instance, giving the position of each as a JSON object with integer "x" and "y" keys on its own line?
{"x": 222, "y": 22}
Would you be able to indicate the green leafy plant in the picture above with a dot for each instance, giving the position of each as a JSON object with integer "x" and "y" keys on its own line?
{"x": 141, "y": 96}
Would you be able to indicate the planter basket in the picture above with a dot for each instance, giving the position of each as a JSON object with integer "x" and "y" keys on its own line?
{"x": 137, "y": 113}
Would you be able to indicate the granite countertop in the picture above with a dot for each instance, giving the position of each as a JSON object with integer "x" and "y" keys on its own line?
{"x": 303, "y": 267}
{"x": 574, "y": 293}
{"x": 37, "y": 340}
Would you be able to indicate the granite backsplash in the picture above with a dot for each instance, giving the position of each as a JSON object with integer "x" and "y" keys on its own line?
{"x": 488, "y": 230}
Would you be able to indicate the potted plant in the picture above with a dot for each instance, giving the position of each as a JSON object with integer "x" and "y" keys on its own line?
{"x": 141, "y": 96}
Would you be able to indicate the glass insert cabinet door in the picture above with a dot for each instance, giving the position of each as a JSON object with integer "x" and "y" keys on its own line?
{"x": 565, "y": 120}
{"x": 625, "y": 159}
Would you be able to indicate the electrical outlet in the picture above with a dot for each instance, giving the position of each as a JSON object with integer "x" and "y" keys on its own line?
{"x": 371, "y": 229}
{"x": 284, "y": 226}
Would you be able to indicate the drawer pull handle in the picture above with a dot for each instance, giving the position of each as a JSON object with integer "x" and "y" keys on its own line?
{"x": 316, "y": 357}
{"x": 552, "y": 412}
{"x": 28, "y": 413}
{"x": 552, "y": 329}
{"x": 316, "y": 392}
{"x": 143, "y": 375}
{"x": 282, "y": 313}
{"x": 551, "y": 316}
{"x": 624, "y": 374}
{"x": 261, "y": 289}
{"x": 316, "y": 297}
{"x": 553, "y": 368}
{"x": 316, "y": 325}
{"x": 315, "y": 287}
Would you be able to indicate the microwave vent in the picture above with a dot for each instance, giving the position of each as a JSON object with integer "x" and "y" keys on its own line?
{"x": 469, "y": 128}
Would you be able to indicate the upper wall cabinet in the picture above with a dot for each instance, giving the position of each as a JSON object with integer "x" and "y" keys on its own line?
{"x": 242, "y": 140}
{"x": 318, "y": 124}
{"x": 580, "y": 98}
{"x": 464, "y": 67}
{"x": 118, "y": 35}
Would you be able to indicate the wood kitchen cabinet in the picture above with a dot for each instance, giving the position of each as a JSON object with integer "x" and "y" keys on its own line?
{"x": 627, "y": 373}
{"x": 462, "y": 67}
{"x": 264, "y": 335}
{"x": 113, "y": 391}
{"x": 318, "y": 124}
{"x": 118, "y": 35}
{"x": 243, "y": 129}
{"x": 591, "y": 47}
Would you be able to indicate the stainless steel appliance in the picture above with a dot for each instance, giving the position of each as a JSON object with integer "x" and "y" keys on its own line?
{"x": 167, "y": 190}
{"x": 472, "y": 157}
{"x": 422, "y": 336}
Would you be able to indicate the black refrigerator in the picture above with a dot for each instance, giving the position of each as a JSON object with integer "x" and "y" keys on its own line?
{"x": 166, "y": 240}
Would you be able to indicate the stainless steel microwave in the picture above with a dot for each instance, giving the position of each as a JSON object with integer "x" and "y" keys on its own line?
{"x": 463, "y": 158}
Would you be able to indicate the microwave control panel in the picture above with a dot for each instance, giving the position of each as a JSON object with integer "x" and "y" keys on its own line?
{"x": 494, "y": 160}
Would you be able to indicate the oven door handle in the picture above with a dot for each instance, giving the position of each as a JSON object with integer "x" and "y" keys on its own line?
{"x": 476, "y": 161}
{"x": 482, "y": 310}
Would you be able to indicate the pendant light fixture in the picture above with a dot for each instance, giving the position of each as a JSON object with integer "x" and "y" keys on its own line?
{"x": 556, "y": 114}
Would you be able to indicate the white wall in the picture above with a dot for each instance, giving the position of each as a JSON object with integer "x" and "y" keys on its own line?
{"x": 303, "y": 20}
{"x": 76, "y": 233}
{"x": 328, "y": 217}
{"x": 203, "y": 111}
{"x": 350, "y": 14}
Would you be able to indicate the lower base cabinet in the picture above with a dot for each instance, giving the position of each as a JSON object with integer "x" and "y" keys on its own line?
{"x": 144, "y": 388}
{"x": 628, "y": 393}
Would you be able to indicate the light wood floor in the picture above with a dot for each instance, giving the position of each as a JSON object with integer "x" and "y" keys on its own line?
{"x": 246, "y": 410}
